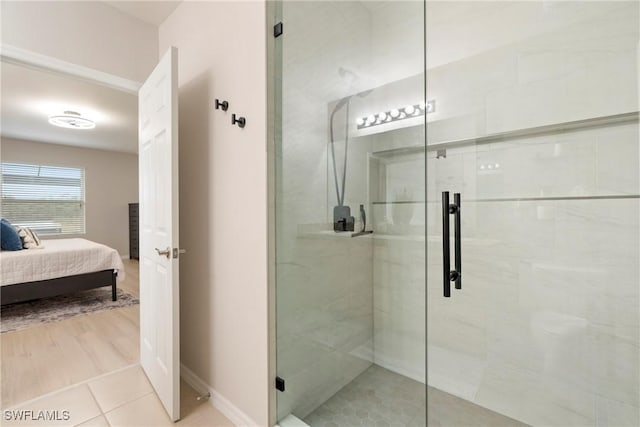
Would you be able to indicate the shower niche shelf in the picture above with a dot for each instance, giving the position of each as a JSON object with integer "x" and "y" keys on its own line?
{"x": 556, "y": 128}
{"x": 391, "y": 165}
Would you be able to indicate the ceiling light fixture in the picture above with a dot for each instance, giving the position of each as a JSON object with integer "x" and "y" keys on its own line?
{"x": 71, "y": 120}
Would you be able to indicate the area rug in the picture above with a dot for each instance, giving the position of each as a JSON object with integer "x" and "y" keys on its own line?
{"x": 15, "y": 317}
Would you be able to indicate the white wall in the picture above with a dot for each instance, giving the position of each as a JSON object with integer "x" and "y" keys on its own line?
{"x": 223, "y": 198}
{"x": 88, "y": 33}
{"x": 111, "y": 183}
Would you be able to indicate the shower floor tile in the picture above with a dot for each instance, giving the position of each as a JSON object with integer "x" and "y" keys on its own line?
{"x": 381, "y": 398}
{"x": 376, "y": 398}
{"x": 447, "y": 410}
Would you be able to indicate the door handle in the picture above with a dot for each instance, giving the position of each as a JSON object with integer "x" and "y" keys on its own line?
{"x": 446, "y": 250}
{"x": 458, "y": 241}
{"x": 165, "y": 252}
{"x": 449, "y": 275}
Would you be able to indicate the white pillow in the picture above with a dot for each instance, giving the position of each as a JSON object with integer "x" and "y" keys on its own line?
{"x": 30, "y": 239}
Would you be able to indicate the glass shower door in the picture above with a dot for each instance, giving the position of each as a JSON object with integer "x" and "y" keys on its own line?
{"x": 536, "y": 129}
{"x": 350, "y": 222}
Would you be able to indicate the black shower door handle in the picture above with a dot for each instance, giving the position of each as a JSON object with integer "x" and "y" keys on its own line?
{"x": 448, "y": 274}
{"x": 446, "y": 262}
{"x": 458, "y": 240}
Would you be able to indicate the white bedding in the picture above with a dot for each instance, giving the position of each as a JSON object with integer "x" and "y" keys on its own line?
{"x": 58, "y": 258}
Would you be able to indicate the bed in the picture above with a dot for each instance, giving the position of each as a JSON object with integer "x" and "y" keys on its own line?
{"x": 62, "y": 266}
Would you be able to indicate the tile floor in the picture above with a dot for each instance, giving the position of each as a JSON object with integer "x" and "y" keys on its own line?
{"x": 381, "y": 398}
{"x": 124, "y": 398}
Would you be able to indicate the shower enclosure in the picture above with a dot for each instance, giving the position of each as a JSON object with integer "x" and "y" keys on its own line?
{"x": 457, "y": 213}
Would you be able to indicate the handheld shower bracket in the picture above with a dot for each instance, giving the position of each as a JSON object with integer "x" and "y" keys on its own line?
{"x": 342, "y": 219}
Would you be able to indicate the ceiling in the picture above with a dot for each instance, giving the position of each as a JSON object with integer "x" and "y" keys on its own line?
{"x": 150, "y": 11}
{"x": 30, "y": 95}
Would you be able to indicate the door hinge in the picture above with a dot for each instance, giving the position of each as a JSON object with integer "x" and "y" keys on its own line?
{"x": 177, "y": 252}
{"x": 278, "y": 29}
{"x": 279, "y": 384}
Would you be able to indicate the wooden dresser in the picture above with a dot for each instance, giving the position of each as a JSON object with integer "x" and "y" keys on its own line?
{"x": 134, "y": 234}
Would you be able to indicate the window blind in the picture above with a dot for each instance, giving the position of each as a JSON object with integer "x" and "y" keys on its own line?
{"x": 47, "y": 199}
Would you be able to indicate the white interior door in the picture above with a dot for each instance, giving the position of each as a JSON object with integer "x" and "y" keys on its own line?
{"x": 159, "y": 283}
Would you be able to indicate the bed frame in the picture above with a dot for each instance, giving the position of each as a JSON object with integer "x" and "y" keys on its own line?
{"x": 21, "y": 292}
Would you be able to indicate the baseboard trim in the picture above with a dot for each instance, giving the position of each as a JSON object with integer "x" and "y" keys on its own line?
{"x": 221, "y": 403}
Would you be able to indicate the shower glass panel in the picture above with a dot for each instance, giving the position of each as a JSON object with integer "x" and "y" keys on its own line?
{"x": 350, "y": 287}
{"x": 536, "y": 127}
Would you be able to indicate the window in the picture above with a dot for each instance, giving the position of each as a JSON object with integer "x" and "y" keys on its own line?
{"x": 48, "y": 199}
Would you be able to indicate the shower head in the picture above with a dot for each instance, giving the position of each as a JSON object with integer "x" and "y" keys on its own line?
{"x": 342, "y": 103}
{"x": 346, "y": 99}
{"x": 353, "y": 77}
{"x": 354, "y": 81}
